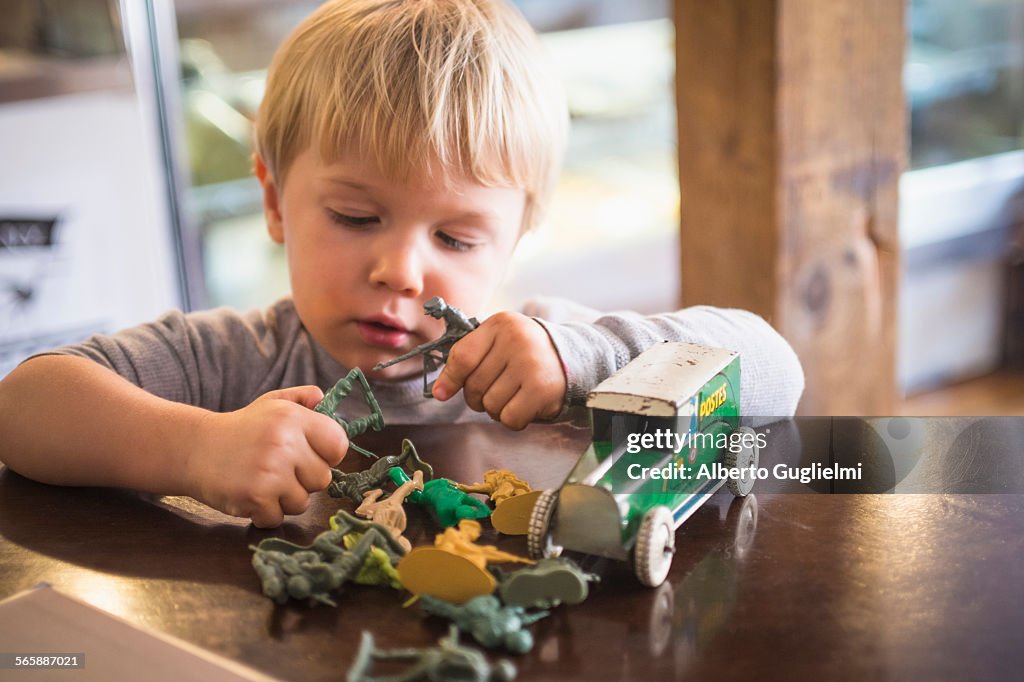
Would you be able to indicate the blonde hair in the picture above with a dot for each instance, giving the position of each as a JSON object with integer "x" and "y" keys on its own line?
{"x": 410, "y": 82}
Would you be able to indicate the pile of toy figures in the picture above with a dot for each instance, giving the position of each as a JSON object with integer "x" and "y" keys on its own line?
{"x": 451, "y": 579}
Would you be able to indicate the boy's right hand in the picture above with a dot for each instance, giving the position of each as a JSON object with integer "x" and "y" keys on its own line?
{"x": 264, "y": 460}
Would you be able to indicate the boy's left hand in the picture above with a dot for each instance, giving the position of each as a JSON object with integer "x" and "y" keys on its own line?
{"x": 508, "y": 368}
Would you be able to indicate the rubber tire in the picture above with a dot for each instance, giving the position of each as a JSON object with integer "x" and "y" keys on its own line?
{"x": 742, "y": 515}
{"x": 655, "y": 546}
{"x": 538, "y": 537}
{"x": 747, "y": 457}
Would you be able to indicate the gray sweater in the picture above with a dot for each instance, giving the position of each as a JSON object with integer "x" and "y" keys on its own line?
{"x": 222, "y": 360}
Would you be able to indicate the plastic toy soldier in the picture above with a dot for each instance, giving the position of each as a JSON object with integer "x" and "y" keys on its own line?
{"x": 354, "y": 485}
{"x": 435, "y": 353}
{"x": 498, "y": 484}
{"x": 447, "y": 661}
{"x": 490, "y": 623}
{"x": 462, "y": 541}
{"x": 440, "y": 495}
{"x": 389, "y": 512}
{"x": 287, "y": 570}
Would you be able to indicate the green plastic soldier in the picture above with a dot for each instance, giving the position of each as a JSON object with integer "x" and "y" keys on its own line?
{"x": 449, "y": 503}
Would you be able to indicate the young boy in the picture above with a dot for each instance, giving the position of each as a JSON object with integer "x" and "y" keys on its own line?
{"x": 403, "y": 148}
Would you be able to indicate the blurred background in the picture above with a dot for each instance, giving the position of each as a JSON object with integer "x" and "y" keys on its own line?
{"x": 126, "y": 189}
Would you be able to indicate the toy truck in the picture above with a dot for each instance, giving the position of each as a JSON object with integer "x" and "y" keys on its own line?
{"x": 666, "y": 436}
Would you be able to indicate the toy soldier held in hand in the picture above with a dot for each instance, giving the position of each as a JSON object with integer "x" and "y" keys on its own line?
{"x": 435, "y": 353}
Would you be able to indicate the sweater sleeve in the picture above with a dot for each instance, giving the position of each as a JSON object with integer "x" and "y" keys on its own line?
{"x": 771, "y": 379}
{"x": 217, "y": 359}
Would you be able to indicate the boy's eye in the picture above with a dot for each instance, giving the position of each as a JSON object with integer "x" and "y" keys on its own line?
{"x": 351, "y": 220}
{"x": 453, "y": 243}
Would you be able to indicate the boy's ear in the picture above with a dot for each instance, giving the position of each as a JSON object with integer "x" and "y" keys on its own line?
{"x": 271, "y": 200}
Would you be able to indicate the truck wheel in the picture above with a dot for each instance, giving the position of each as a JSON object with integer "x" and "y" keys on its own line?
{"x": 743, "y": 515}
{"x": 655, "y": 545}
{"x": 538, "y": 538}
{"x": 746, "y": 458}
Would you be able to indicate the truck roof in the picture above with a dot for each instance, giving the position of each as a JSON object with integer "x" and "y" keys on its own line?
{"x": 660, "y": 381}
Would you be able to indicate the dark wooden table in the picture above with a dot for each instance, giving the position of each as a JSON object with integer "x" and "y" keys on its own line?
{"x": 789, "y": 586}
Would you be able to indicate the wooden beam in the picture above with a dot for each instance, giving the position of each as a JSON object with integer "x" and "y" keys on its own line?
{"x": 792, "y": 138}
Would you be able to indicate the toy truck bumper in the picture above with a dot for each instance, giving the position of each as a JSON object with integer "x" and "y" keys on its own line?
{"x": 588, "y": 520}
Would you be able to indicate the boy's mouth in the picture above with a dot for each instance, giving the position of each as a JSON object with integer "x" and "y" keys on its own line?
{"x": 383, "y": 332}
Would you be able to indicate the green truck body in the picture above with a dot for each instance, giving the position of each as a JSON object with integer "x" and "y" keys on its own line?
{"x": 662, "y": 428}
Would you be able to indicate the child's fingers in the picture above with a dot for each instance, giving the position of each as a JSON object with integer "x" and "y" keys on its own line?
{"x": 294, "y": 500}
{"x": 267, "y": 515}
{"x": 518, "y": 412}
{"x": 463, "y": 359}
{"x": 490, "y": 370}
{"x": 500, "y": 393}
{"x": 307, "y": 396}
{"x": 313, "y": 474}
{"x": 326, "y": 437}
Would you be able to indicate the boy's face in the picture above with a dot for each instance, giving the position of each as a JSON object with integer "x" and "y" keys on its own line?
{"x": 365, "y": 253}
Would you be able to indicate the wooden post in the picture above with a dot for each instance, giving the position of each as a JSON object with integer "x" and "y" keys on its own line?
{"x": 792, "y": 138}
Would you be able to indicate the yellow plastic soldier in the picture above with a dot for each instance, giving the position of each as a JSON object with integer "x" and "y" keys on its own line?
{"x": 455, "y": 568}
{"x": 499, "y": 484}
{"x": 462, "y": 541}
{"x": 513, "y": 500}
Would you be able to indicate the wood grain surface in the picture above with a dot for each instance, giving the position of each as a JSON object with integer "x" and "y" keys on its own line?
{"x": 792, "y": 138}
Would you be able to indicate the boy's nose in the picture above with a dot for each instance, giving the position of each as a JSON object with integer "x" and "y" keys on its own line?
{"x": 399, "y": 268}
